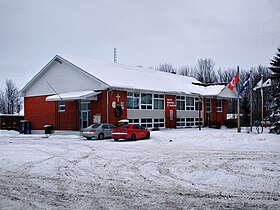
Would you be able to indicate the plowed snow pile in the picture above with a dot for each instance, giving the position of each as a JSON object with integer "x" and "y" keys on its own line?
{"x": 175, "y": 169}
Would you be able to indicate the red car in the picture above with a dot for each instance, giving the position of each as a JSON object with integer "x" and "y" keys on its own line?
{"x": 131, "y": 132}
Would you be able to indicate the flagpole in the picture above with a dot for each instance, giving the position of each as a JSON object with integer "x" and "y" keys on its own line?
{"x": 238, "y": 104}
{"x": 251, "y": 102}
{"x": 262, "y": 95}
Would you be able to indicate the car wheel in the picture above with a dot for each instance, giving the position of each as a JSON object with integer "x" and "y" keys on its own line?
{"x": 148, "y": 135}
{"x": 116, "y": 139}
{"x": 88, "y": 138}
{"x": 101, "y": 136}
{"x": 133, "y": 137}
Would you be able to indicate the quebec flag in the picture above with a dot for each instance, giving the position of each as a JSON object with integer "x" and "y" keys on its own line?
{"x": 245, "y": 85}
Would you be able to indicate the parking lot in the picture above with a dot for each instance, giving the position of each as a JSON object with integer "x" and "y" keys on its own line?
{"x": 174, "y": 169}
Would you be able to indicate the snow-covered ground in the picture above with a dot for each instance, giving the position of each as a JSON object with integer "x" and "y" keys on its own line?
{"x": 175, "y": 169}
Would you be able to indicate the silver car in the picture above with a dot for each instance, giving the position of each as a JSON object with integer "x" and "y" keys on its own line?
{"x": 98, "y": 131}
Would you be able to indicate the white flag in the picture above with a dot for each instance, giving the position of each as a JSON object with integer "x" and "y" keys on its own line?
{"x": 258, "y": 85}
{"x": 267, "y": 83}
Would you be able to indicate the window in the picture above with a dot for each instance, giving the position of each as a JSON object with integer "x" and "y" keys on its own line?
{"x": 158, "y": 101}
{"x": 196, "y": 123}
{"x": 85, "y": 106}
{"x": 188, "y": 122}
{"x": 61, "y": 106}
{"x": 132, "y": 100}
{"x": 196, "y": 101}
{"x": 189, "y": 103}
{"x": 208, "y": 104}
{"x": 180, "y": 101}
{"x": 159, "y": 123}
{"x": 147, "y": 123}
{"x": 136, "y": 127}
{"x": 133, "y": 121}
{"x": 105, "y": 127}
{"x": 219, "y": 106}
{"x": 146, "y": 101}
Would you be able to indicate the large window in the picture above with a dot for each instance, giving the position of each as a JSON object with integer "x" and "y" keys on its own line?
{"x": 133, "y": 100}
{"x": 219, "y": 106}
{"x": 158, "y": 101}
{"x": 146, "y": 101}
{"x": 189, "y": 103}
{"x": 149, "y": 122}
{"x": 180, "y": 101}
{"x": 188, "y": 122}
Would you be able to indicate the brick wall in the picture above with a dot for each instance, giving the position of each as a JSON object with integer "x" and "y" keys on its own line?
{"x": 41, "y": 112}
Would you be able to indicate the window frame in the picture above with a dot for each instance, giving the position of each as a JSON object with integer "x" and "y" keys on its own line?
{"x": 61, "y": 106}
{"x": 219, "y": 105}
{"x": 158, "y": 99}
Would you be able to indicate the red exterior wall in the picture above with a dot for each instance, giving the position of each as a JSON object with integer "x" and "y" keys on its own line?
{"x": 217, "y": 118}
{"x": 68, "y": 120}
{"x": 100, "y": 106}
{"x": 41, "y": 112}
{"x": 170, "y": 107}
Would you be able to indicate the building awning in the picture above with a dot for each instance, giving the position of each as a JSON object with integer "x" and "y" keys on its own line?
{"x": 80, "y": 95}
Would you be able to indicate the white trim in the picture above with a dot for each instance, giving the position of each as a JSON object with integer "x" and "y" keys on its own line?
{"x": 80, "y": 95}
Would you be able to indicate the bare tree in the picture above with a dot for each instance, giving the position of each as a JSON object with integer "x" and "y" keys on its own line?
{"x": 186, "y": 71}
{"x": 9, "y": 100}
{"x": 225, "y": 75}
{"x": 166, "y": 67}
{"x": 205, "y": 70}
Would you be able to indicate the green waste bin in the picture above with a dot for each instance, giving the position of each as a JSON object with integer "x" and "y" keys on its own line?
{"x": 48, "y": 129}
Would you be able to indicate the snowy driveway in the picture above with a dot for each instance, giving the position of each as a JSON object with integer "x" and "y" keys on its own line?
{"x": 175, "y": 169}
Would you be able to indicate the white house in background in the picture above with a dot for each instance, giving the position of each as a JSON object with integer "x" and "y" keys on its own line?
{"x": 70, "y": 93}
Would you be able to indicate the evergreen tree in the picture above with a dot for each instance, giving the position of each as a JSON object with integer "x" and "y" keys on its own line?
{"x": 275, "y": 90}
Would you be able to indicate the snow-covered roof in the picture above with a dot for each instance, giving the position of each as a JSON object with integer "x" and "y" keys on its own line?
{"x": 130, "y": 77}
{"x": 120, "y": 76}
{"x": 73, "y": 95}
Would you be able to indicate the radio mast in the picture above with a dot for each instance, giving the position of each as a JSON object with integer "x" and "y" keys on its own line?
{"x": 115, "y": 55}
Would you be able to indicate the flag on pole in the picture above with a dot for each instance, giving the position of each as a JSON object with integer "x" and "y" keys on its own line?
{"x": 267, "y": 83}
{"x": 233, "y": 81}
{"x": 258, "y": 85}
{"x": 245, "y": 85}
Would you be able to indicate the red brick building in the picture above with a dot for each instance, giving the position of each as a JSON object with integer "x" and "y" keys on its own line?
{"x": 71, "y": 93}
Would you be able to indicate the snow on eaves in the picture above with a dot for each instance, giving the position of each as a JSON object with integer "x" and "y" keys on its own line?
{"x": 137, "y": 78}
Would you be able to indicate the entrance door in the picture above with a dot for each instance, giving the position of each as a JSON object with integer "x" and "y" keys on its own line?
{"x": 85, "y": 119}
{"x": 85, "y": 113}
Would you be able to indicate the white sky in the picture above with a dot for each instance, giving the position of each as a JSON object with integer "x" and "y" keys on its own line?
{"x": 145, "y": 32}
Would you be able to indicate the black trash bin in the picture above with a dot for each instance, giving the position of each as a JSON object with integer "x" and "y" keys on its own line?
{"x": 25, "y": 127}
{"x": 48, "y": 129}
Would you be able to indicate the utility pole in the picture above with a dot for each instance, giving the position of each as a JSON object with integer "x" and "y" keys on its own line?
{"x": 115, "y": 55}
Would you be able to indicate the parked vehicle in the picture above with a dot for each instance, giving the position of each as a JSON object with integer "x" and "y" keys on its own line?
{"x": 98, "y": 131}
{"x": 130, "y": 132}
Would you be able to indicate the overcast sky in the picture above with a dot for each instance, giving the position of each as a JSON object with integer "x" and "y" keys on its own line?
{"x": 145, "y": 32}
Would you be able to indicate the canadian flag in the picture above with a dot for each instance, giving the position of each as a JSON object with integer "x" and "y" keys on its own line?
{"x": 233, "y": 81}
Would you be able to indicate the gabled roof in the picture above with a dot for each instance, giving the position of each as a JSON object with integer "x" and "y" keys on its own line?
{"x": 126, "y": 77}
